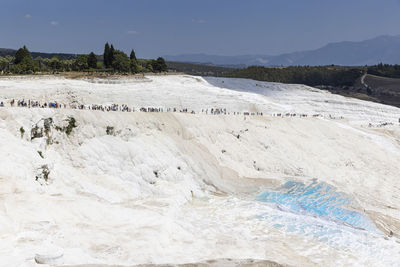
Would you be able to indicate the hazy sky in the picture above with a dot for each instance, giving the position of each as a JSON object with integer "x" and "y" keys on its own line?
{"x": 223, "y": 27}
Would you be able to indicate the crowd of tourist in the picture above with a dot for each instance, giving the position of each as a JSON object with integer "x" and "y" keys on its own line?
{"x": 116, "y": 107}
{"x": 126, "y": 108}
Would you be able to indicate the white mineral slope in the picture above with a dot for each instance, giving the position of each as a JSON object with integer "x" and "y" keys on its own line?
{"x": 180, "y": 188}
{"x": 197, "y": 93}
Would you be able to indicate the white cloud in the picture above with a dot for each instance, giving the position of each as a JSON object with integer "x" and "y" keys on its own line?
{"x": 132, "y": 32}
{"x": 200, "y": 21}
{"x": 54, "y": 23}
{"x": 28, "y": 16}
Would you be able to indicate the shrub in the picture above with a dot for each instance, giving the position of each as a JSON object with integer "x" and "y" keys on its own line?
{"x": 71, "y": 125}
{"x": 44, "y": 173}
{"x": 22, "y": 131}
{"x": 110, "y": 130}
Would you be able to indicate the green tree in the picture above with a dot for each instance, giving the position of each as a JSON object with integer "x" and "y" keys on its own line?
{"x": 92, "y": 61}
{"x": 121, "y": 62}
{"x": 106, "y": 56}
{"x": 159, "y": 65}
{"x": 149, "y": 65}
{"x": 23, "y": 61}
{"x": 67, "y": 65}
{"x": 134, "y": 63}
{"x": 55, "y": 64}
{"x": 4, "y": 64}
{"x": 38, "y": 63}
{"x": 22, "y": 54}
{"x": 111, "y": 55}
{"x": 81, "y": 63}
{"x": 134, "y": 66}
{"x": 133, "y": 55}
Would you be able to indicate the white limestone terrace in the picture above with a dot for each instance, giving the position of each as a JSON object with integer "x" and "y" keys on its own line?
{"x": 175, "y": 188}
{"x": 198, "y": 93}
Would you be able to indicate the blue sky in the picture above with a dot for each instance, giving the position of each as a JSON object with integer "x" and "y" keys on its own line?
{"x": 222, "y": 27}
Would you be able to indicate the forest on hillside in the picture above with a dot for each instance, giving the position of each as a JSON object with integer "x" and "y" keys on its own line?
{"x": 198, "y": 69}
{"x": 332, "y": 75}
{"x": 312, "y": 76}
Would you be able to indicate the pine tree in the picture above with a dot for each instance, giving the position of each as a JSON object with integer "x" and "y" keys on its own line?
{"x": 23, "y": 61}
{"x": 134, "y": 64}
{"x": 111, "y": 55}
{"x": 106, "y": 55}
{"x": 133, "y": 55}
{"x": 21, "y": 54}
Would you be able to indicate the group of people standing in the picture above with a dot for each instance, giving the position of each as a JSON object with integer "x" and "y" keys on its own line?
{"x": 126, "y": 108}
{"x": 106, "y": 108}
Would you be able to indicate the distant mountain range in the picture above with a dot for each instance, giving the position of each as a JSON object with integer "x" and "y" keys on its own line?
{"x": 385, "y": 49}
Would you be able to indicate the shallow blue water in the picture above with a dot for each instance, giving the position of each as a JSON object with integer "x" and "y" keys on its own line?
{"x": 318, "y": 200}
{"x": 320, "y": 212}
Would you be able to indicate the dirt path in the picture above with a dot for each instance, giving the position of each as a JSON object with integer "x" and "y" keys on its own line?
{"x": 363, "y": 80}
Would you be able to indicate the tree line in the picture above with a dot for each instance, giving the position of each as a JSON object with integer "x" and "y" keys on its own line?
{"x": 112, "y": 60}
{"x": 332, "y": 75}
{"x": 312, "y": 76}
{"x": 198, "y": 69}
{"x": 385, "y": 70}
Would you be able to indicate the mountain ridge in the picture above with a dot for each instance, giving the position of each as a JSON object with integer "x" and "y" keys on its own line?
{"x": 381, "y": 49}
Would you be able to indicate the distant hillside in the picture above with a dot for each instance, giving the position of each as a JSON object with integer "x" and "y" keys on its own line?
{"x": 236, "y": 61}
{"x": 387, "y": 90}
{"x": 336, "y": 76}
{"x": 7, "y": 52}
{"x": 385, "y": 49}
{"x": 11, "y": 52}
{"x": 198, "y": 69}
